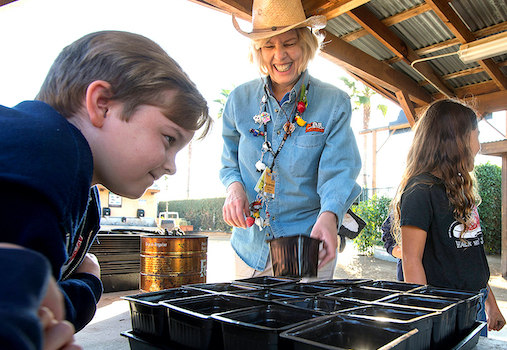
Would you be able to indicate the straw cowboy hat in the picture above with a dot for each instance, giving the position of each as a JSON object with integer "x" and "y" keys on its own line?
{"x": 273, "y": 17}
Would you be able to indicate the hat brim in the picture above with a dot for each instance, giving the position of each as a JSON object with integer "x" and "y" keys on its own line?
{"x": 314, "y": 22}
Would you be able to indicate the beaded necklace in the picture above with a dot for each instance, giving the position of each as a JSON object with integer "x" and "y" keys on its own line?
{"x": 265, "y": 186}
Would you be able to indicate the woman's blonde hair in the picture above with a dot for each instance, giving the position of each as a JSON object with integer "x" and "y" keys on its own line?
{"x": 311, "y": 42}
{"x": 441, "y": 146}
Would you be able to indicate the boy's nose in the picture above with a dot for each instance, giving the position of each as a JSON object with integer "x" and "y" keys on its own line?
{"x": 170, "y": 166}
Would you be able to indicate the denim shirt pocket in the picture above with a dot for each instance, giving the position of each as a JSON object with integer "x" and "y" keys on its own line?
{"x": 305, "y": 154}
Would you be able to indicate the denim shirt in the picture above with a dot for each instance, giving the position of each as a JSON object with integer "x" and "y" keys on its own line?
{"x": 315, "y": 171}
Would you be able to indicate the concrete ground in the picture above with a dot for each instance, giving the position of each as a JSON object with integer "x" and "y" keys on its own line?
{"x": 113, "y": 314}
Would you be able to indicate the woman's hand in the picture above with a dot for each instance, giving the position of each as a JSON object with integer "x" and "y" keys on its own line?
{"x": 236, "y": 206}
{"x": 326, "y": 230}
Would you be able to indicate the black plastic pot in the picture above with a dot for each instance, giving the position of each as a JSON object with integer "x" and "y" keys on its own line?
{"x": 266, "y": 281}
{"x": 294, "y": 256}
{"x": 444, "y": 325}
{"x": 148, "y": 316}
{"x": 339, "y": 332}
{"x": 190, "y": 322}
{"x": 309, "y": 288}
{"x": 467, "y": 306}
{"x": 259, "y": 327}
{"x": 269, "y": 294}
{"x": 362, "y": 294}
{"x": 394, "y": 286}
{"x": 323, "y": 304}
{"x": 401, "y": 317}
{"x": 220, "y": 287}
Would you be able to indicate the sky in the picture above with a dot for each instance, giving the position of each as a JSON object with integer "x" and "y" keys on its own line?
{"x": 209, "y": 50}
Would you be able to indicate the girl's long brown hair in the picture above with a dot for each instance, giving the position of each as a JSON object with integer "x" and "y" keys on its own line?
{"x": 441, "y": 146}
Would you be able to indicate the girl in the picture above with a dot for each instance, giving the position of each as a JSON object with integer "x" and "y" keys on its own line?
{"x": 436, "y": 207}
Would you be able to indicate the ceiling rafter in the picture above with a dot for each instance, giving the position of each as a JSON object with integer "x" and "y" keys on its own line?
{"x": 464, "y": 35}
{"x": 382, "y": 33}
{"x": 354, "y": 60}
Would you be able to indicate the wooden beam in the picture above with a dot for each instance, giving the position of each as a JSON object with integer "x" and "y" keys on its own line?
{"x": 332, "y": 9}
{"x": 464, "y": 35}
{"x": 382, "y": 33}
{"x": 407, "y": 106}
{"x": 5, "y": 2}
{"x": 496, "y": 148}
{"x": 503, "y": 257}
{"x": 374, "y": 160}
{"x": 241, "y": 8}
{"x": 489, "y": 103}
{"x": 359, "y": 63}
{"x": 494, "y": 72}
{"x": 389, "y": 21}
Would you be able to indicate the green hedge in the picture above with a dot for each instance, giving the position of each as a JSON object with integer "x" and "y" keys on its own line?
{"x": 489, "y": 179}
{"x": 374, "y": 212}
{"x": 204, "y": 214}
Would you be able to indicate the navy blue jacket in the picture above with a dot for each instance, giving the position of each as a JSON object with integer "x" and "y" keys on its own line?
{"x": 46, "y": 204}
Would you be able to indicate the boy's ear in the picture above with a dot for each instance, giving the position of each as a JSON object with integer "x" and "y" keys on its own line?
{"x": 98, "y": 96}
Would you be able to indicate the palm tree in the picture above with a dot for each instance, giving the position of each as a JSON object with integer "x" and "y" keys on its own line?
{"x": 225, "y": 95}
{"x": 361, "y": 97}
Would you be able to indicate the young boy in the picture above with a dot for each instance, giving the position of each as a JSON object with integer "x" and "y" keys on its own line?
{"x": 114, "y": 110}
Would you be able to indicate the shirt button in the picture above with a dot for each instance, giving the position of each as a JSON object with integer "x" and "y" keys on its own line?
{"x": 267, "y": 234}
{"x": 278, "y": 132}
{"x": 276, "y": 110}
{"x": 273, "y": 218}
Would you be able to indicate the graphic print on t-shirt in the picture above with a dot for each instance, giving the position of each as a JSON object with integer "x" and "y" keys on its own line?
{"x": 472, "y": 237}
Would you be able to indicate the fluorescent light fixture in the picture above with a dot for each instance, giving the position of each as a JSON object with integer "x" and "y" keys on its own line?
{"x": 481, "y": 49}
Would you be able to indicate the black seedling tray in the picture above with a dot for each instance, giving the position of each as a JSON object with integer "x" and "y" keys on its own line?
{"x": 294, "y": 256}
{"x": 220, "y": 287}
{"x": 190, "y": 322}
{"x": 148, "y": 317}
{"x": 362, "y": 294}
{"x": 444, "y": 325}
{"x": 309, "y": 288}
{"x": 339, "y": 332}
{"x": 324, "y": 304}
{"x": 467, "y": 306}
{"x": 258, "y": 327}
{"x": 269, "y": 294}
{"x": 394, "y": 286}
{"x": 266, "y": 281}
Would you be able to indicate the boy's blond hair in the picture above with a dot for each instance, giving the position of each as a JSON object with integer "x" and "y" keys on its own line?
{"x": 139, "y": 71}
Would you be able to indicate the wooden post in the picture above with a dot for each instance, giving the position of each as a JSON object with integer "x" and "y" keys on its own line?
{"x": 504, "y": 216}
{"x": 374, "y": 161}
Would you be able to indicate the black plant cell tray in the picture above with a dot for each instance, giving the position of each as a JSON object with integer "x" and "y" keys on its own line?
{"x": 269, "y": 294}
{"x": 309, "y": 288}
{"x": 148, "y": 317}
{"x": 324, "y": 304}
{"x": 266, "y": 281}
{"x": 394, "y": 286}
{"x": 362, "y": 294}
{"x": 339, "y": 332}
{"x": 344, "y": 282}
{"x": 444, "y": 325}
{"x": 400, "y": 317}
{"x": 467, "y": 305}
{"x": 259, "y": 327}
{"x": 220, "y": 287}
{"x": 190, "y": 322}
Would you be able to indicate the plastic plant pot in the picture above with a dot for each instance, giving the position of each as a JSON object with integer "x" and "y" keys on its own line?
{"x": 294, "y": 256}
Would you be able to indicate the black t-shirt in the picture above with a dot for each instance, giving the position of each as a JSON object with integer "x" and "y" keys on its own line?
{"x": 449, "y": 262}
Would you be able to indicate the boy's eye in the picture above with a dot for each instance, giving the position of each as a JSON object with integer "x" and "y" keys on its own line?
{"x": 169, "y": 139}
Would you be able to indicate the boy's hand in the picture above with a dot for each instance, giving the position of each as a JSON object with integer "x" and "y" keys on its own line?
{"x": 58, "y": 334}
